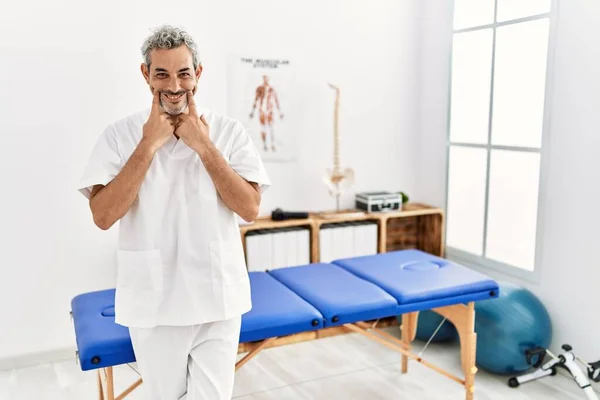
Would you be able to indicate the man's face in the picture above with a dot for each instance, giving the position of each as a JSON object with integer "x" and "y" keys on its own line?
{"x": 172, "y": 74}
{"x": 265, "y": 79}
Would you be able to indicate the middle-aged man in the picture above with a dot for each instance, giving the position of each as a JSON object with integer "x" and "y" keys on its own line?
{"x": 175, "y": 176}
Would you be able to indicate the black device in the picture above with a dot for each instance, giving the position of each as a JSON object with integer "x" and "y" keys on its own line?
{"x": 279, "y": 215}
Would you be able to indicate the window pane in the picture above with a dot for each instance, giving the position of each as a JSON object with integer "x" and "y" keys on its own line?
{"x": 470, "y": 13}
{"x": 471, "y": 81}
{"x": 466, "y": 198}
{"x": 512, "y": 9}
{"x": 513, "y": 203}
{"x": 519, "y": 84}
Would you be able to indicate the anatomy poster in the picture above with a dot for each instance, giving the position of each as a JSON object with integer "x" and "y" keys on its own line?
{"x": 259, "y": 97}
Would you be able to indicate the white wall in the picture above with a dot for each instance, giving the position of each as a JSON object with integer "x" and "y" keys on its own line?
{"x": 68, "y": 68}
{"x": 569, "y": 266}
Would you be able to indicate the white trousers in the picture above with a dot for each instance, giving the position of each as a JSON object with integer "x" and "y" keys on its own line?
{"x": 187, "y": 362}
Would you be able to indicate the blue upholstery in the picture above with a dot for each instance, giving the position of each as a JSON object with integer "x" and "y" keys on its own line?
{"x": 276, "y": 311}
{"x": 304, "y": 298}
{"x": 420, "y": 281}
{"x": 339, "y": 295}
{"x": 100, "y": 341}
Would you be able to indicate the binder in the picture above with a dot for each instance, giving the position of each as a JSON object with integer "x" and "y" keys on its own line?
{"x": 291, "y": 246}
{"x": 347, "y": 239}
{"x": 275, "y": 248}
{"x": 365, "y": 238}
{"x": 346, "y": 245}
{"x": 268, "y": 249}
{"x": 326, "y": 243}
{"x": 371, "y": 237}
{"x": 265, "y": 249}
{"x": 303, "y": 246}
{"x": 278, "y": 249}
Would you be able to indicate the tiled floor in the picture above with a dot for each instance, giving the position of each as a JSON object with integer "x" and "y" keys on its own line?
{"x": 344, "y": 367}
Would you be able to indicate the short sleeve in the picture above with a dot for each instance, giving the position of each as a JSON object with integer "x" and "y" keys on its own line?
{"x": 245, "y": 159}
{"x": 104, "y": 163}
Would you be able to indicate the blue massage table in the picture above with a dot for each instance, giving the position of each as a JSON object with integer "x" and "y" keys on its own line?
{"x": 295, "y": 300}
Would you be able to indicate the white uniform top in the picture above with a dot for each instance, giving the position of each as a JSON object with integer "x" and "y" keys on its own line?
{"x": 180, "y": 255}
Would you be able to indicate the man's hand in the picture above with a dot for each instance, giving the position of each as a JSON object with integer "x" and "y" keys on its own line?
{"x": 159, "y": 127}
{"x": 239, "y": 195}
{"x": 111, "y": 202}
{"x": 191, "y": 128}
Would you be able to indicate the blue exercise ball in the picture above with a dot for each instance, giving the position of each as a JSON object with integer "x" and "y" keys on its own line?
{"x": 427, "y": 324}
{"x": 508, "y": 326}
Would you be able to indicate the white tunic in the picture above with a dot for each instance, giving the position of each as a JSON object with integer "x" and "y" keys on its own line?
{"x": 180, "y": 255}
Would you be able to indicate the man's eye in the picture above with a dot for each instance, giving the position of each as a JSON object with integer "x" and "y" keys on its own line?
{"x": 185, "y": 74}
{"x": 161, "y": 75}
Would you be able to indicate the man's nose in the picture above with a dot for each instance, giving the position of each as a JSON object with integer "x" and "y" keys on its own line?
{"x": 174, "y": 85}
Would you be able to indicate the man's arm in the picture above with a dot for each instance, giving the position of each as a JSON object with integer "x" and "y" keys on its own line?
{"x": 111, "y": 202}
{"x": 241, "y": 196}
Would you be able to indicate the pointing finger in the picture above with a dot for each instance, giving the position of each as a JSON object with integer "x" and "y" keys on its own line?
{"x": 192, "y": 104}
{"x": 156, "y": 102}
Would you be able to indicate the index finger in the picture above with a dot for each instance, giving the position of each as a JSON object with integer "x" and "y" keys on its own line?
{"x": 156, "y": 102}
{"x": 192, "y": 103}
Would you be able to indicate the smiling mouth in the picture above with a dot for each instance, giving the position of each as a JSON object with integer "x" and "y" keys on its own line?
{"x": 174, "y": 98}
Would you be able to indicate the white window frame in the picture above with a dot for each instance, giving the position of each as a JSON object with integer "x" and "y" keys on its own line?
{"x": 481, "y": 262}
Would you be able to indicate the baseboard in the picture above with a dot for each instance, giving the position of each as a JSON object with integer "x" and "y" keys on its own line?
{"x": 33, "y": 359}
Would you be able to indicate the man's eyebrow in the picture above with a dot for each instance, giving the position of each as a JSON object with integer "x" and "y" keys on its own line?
{"x": 164, "y": 70}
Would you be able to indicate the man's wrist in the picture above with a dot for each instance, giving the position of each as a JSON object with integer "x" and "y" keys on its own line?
{"x": 147, "y": 147}
{"x": 203, "y": 147}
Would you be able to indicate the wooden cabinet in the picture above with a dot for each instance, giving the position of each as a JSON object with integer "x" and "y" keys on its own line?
{"x": 417, "y": 226}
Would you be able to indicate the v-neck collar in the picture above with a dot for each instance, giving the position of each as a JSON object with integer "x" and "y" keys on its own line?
{"x": 177, "y": 148}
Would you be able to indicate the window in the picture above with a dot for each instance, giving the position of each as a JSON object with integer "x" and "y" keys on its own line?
{"x": 495, "y": 130}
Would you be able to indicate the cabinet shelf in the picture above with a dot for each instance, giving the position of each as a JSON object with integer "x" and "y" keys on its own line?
{"x": 416, "y": 226}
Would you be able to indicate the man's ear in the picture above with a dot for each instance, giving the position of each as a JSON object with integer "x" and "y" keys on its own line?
{"x": 145, "y": 72}
{"x": 198, "y": 73}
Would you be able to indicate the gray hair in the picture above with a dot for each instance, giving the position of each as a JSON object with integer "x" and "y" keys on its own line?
{"x": 169, "y": 37}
